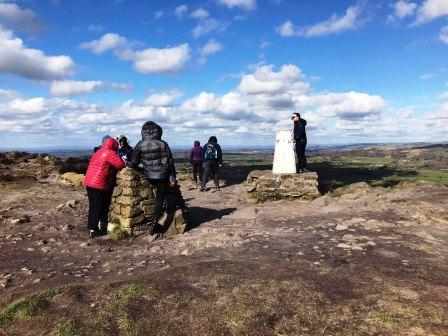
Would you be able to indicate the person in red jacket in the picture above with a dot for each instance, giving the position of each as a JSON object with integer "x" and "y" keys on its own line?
{"x": 100, "y": 182}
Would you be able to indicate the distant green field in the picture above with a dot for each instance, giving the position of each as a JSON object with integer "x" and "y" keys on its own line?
{"x": 378, "y": 167}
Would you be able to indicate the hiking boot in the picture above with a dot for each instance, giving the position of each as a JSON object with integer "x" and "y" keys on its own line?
{"x": 94, "y": 234}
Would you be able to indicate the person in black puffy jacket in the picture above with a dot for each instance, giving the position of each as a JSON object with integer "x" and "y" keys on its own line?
{"x": 158, "y": 165}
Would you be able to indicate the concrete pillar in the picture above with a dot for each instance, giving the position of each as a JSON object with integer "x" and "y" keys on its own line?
{"x": 284, "y": 155}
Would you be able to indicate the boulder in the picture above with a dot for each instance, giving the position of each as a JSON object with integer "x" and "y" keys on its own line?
{"x": 360, "y": 188}
{"x": 73, "y": 178}
{"x": 264, "y": 185}
{"x": 174, "y": 223}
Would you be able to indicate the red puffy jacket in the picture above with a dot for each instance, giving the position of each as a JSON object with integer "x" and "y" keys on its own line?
{"x": 103, "y": 166}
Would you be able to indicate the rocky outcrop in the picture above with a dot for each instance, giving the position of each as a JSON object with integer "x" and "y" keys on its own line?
{"x": 264, "y": 185}
{"x": 354, "y": 188}
{"x": 133, "y": 205}
{"x": 73, "y": 178}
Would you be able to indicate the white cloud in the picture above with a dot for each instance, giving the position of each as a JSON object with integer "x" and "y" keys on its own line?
{"x": 426, "y": 76}
{"x": 202, "y": 103}
{"x": 210, "y": 48}
{"x": 402, "y": 9}
{"x": 68, "y": 88}
{"x": 264, "y": 80}
{"x": 168, "y": 60}
{"x": 286, "y": 29}
{"x": 207, "y": 26}
{"x": 444, "y": 34}
{"x": 430, "y": 10}
{"x": 107, "y": 42}
{"x": 243, "y": 4}
{"x": 181, "y": 11}
{"x": 95, "y": 28}
{"x": 12, "y": 16}
{"x": 350, "y": 21}
{"x": 163, "y": 98}
{"x": 158, "y": 14}
{"x": 199, "y": 14}
{"x": 16, "y": 58}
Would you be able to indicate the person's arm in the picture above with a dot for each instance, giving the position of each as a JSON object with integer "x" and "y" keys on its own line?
{"x": 191, "y": 155}
{"x": 219, "y": 153}
{"x": 135, "y": 156}
{"x": 303, "y": 122}
{"x": 203, "y": 152}
{"x": 115, "y": 160}
{"x": 171, "y": 165}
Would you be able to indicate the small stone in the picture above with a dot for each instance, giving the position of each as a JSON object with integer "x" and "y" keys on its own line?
{"x": 341, "y": 227}
{"x": 15, "y": 221}
{"x": 72, "y": 203}
{"x": 184, "y": 252}
{"x": 344, "y": 246}
{"x": 68, "y": 227}
{"x": 371, "y": 243}
{"x": 60, "y": 206}
{"x": 356, "y": 248}
{"x": 85, "y": 244}
{"x": 37, "y": 280}
{"x": 300, "y": 253}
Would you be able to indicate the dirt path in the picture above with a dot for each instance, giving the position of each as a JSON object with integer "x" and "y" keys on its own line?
{"x": 367, "y": 263}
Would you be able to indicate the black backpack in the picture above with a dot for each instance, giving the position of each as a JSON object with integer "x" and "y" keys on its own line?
{"x": 210, "y": 152}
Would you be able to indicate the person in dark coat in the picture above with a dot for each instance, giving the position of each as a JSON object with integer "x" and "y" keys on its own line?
{"x": 196, "y": 161}
{"x": 124, "y": 149}
{"x": 300, "y": 140}
{"x": 100, "y": 181}
{"x": 158, "y": 165}
{"x": 212, "y": 159}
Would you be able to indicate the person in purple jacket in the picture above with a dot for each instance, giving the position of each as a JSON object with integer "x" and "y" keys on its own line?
{"x": 196, "y": 161}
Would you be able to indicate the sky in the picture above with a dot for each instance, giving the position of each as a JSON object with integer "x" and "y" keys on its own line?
{"x": 72, "y": 71}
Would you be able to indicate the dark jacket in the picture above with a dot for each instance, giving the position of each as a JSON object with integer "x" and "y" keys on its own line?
{"x": 153, "y": 153}
{"x": 299, "y": 130}
{"x": 213, "y": 142}
{"x": 195, "y": 152}
{"x": 126, "y": 151}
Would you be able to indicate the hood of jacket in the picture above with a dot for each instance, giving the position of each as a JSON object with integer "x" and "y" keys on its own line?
{"x": 152, "y": 131}
{"x": 213, "y": 140}
{"x": 110, "y": 143}
{"x": 197, "y": 143}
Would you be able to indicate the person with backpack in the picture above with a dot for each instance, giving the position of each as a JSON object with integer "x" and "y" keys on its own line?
{"x": 196, "y": 161}
{"x": 158, "y": 166}
{"x": 100, "y": 181}
{"x": 211, "y": 159}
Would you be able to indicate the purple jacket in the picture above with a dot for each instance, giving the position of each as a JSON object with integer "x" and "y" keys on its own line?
{"x": 195, "y": 152}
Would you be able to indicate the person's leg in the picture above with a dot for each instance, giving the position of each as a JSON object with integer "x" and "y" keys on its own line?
{"x": 161, "y": 190}
{"x": 104, "y": 216}
{"x": 96, "y": 200}
{"x": 207, "y": 171}
{"x": 195, "y": 172}
{"x": 304, "y": 157}
{"x": 216, "y": 174}
{"x": 200, "y": 170}
{"x": 300, "y": 151}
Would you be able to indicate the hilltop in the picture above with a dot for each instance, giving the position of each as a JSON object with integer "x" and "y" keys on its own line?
{"x": 368, "y": 257}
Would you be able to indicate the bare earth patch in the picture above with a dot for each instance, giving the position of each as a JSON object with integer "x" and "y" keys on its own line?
{"x": 372, "y": 261}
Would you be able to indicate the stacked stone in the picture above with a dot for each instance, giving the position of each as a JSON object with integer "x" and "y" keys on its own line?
{"x": 269, "y": 186}
{"x": 132, "y": 202}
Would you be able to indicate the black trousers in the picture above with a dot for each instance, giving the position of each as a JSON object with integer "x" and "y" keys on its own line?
{"x": 161, "y": 191}
{"x": 211, "y": 168}
{"x": 99, "y": 203}
{"x": 197, "y": 171}
{"x": 300, "y": 151}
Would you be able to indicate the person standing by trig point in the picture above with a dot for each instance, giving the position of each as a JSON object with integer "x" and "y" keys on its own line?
{"x": 211, "y": 159}
{"x": 300, "y": 140}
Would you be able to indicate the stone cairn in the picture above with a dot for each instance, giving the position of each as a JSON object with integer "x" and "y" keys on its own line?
{"x": 133, "y": 204}
{"x": 264, "y": 185}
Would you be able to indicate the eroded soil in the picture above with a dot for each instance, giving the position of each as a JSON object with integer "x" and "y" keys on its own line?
{"x": 364, "y": 263}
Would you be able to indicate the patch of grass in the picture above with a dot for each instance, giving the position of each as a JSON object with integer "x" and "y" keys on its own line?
{"x": 258, "y": 196}
{"x": 67, "y": 327}
{"x": 119, "y": 232}
{"x": 27, "y": 307}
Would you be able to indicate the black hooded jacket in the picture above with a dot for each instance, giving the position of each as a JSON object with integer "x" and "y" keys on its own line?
{"x": 153, "y": 153}
{"x": 214, "y": 142}
{"x": 299, "y": 130}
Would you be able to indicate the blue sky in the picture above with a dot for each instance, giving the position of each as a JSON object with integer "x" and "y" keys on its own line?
{"x": 358, "y": 71}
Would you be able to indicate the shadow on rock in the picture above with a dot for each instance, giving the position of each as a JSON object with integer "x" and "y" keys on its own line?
{"x": 199, "y": 215}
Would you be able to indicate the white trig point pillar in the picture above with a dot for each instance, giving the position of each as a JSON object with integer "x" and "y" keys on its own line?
{"x": 284, "y": 158}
